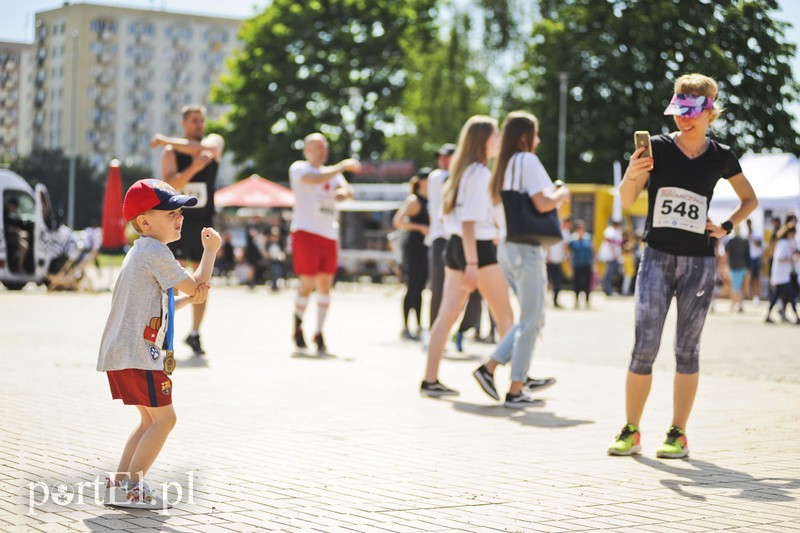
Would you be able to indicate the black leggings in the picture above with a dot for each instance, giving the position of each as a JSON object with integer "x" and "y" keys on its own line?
{"x": 786, "y": 293}
{"x": 582, "y": 280}
{"x": 416, "y": 262}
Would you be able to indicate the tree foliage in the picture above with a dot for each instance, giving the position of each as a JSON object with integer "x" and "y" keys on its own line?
{"x": 335, "y": 66}
{"x": 622, "y": 58}
{"x": 51, "y": 168}
{"x": 444, "y": 90}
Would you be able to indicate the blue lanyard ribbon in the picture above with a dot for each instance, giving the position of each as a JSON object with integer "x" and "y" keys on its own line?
{"x": 170, "y": 318}
{"x": 169, "y": 358}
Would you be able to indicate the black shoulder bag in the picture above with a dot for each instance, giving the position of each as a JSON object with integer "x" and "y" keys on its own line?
{"x": 524, "y": 223}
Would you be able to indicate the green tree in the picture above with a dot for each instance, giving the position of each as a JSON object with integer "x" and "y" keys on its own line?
{"x": 622, "y": 58}
{"x": 335, "y": 66}
{"x": 51, "y": 168}
{"x": 444, "y": 89}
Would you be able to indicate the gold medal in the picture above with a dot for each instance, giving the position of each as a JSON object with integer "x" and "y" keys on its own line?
{"x": 169, "y": 363}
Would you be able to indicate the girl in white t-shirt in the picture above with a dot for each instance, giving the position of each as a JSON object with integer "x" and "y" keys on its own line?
{"x": 474, "y": 223}
{"x": 781, "y": 274}
{"x": 518, "y": 168}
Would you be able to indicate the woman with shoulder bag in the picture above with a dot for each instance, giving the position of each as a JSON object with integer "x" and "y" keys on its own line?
{"x": 473, "y": 223}
{"x": 523, "y": 263}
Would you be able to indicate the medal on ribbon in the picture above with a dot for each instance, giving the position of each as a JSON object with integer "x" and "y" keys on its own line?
{"x": 169, "y": 363}
{"x": 169, "y": 359}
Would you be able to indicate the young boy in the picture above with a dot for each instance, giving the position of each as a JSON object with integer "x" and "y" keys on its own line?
{"x": 132, "y": 348}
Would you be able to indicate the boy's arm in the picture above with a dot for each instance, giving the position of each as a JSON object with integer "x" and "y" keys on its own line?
{"x": 211, "y": 245}
{"x": 198, "y": 297}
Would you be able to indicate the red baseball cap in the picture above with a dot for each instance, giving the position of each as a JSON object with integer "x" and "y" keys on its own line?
{"x": 151, "y": 193}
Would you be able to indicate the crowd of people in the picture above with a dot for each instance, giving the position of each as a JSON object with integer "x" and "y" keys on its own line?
{"x": 456, "y": 219}
{"x": 675, "y": 257}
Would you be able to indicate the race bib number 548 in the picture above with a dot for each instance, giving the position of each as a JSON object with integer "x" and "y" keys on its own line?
{"x": 680, "y": 209}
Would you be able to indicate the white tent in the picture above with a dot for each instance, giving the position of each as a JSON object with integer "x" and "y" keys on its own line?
{"x": 775, "y": 179}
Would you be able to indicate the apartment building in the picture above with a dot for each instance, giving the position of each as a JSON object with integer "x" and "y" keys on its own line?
{"x": 126, "y": 73}
{"x": 16, "y": 99}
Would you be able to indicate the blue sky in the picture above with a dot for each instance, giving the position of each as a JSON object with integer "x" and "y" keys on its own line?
{"x": 16, "y": 24}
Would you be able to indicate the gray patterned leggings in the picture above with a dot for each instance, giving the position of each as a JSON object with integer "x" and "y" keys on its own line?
{"x": 661, "y": 276}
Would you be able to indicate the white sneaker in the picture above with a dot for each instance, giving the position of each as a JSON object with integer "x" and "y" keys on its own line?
{"x": 113, "y": 492}
{"x": 137, "y": 495}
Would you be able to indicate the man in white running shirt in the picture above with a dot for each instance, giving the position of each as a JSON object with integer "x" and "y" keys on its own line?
{"x": 315, "y": 228}
{"x": 436, "y": 240}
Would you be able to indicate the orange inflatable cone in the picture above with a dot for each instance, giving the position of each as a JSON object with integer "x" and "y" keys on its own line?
{"x": 114, "y": 240}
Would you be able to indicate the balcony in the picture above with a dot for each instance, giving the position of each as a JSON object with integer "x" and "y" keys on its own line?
{"x": 104, "y": 99}
{"x": 104, "y": 79}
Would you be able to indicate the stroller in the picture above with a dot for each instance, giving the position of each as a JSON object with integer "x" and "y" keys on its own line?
{"x": 68, "y": 270}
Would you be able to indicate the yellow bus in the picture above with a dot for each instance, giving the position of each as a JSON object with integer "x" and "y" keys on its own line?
{"x": 594, "y": 204}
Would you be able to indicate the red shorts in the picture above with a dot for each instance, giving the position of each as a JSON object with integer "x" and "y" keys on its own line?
{"x": 151, "y": 388}
{"x": 313, "y": 254}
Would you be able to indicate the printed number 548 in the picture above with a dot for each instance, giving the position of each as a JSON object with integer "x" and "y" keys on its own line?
{"x": 667, "y": 207}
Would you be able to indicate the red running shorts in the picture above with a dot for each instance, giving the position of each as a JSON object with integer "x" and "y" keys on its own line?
{"x": 150, "y": 388}
{"x": 313, "y": 254}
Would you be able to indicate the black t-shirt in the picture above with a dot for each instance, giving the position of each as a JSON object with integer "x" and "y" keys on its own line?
{"x": 680, "y": 191}
{"x": 200, "y": 216}
{"x": 738, "y": 253}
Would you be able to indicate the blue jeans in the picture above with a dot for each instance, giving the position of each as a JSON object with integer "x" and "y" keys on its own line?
{"x": 524, "y": 267}
{"x": 608, "y": 279}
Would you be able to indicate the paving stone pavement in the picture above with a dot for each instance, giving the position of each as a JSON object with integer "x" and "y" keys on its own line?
{"x": 270, "y": 439}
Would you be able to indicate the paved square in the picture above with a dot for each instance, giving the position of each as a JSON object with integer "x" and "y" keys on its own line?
{"x": 268, "y": 439}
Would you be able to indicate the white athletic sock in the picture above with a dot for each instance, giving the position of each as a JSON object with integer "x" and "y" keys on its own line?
{"x": 323, "y": 302}
{"x": 300, "y": 304}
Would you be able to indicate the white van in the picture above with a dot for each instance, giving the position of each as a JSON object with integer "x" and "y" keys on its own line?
{"x": 28, "y": 230}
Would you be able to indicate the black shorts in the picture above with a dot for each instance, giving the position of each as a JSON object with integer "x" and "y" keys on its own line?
{"x": 190, "y": 246}
{"x": 454, "y": 254}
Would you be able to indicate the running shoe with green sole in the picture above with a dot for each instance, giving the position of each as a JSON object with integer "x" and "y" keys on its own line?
{"x": 627, "y": 442}
{"x": 676, "y": 446}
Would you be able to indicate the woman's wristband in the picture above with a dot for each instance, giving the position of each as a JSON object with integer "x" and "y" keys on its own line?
{"x": 474, "y": 263}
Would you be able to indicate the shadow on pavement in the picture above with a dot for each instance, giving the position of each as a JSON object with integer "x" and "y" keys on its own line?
{"x": 111, "y": 520}
{"x": 704, "y": 475}
{"x": 192, "y": 362}
{"x": 464, "y": 357}
{"x": 527, "y": 417}
{"x": 299, "y": 354}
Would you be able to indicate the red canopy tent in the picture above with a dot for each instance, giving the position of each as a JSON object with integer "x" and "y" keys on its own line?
{"x": 113, "y": 222}
{"x": 254, "y": 191}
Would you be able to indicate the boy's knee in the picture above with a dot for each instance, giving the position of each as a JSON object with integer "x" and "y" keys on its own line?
{"x": 167, "y": 420}
{"x": 171, "y": 420}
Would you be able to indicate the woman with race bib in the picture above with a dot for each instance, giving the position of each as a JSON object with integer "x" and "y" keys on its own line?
{"x": 679, "y": 258}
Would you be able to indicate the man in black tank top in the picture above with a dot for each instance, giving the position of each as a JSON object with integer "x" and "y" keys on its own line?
{"x": 190, "y": 164}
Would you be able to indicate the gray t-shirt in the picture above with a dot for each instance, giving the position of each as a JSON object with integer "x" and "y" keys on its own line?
{"x": 137, "y": 324}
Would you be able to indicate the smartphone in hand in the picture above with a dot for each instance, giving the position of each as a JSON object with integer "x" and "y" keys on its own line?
{"x": 642, "y": 138}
